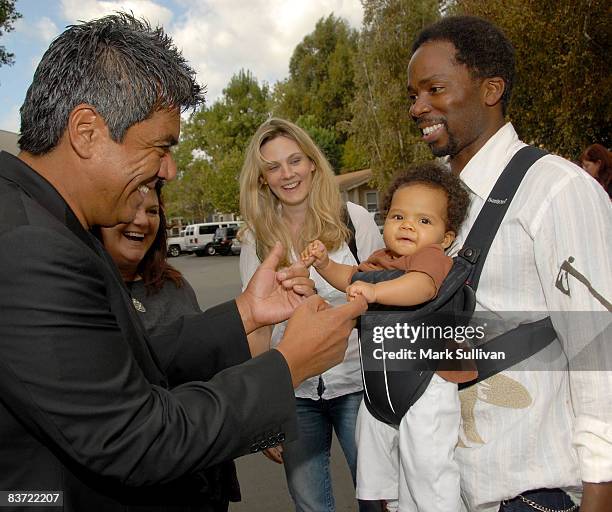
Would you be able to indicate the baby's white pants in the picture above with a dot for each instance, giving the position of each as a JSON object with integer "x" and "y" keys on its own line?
{"x": 413, "y": 468}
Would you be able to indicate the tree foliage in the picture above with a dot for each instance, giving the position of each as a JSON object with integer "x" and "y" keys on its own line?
{"x": 321, "y": 84}
{"x": 8, "y": 15}
{"x": 561, "y": 99}
{"x": 187, "y": 196}
{"x": 210, "y": 153}
{"x": 325, "y": 138}
{"x": 354, "y": 155}
{"x": 347, "y": 89}
{"x": 381, "y": 124}
{"x": 320, "y": 81}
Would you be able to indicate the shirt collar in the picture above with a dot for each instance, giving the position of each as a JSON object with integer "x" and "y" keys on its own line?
{"x": 482, "y": 171}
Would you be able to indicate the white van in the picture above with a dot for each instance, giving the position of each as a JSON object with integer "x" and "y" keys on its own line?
{"x": 199, "y": 237}
{"x": 176, "y": 244}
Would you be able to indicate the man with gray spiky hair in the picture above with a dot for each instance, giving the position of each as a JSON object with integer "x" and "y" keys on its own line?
{"x": 92, "y": 410}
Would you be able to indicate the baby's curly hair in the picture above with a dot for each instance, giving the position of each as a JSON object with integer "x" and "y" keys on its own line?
{"x": 435, "y": 176}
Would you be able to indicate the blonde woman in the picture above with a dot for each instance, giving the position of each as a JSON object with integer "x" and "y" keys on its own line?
{"x": 288, "y": 193}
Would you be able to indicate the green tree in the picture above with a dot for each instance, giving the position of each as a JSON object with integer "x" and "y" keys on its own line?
{"x": 225, "y": 192}
{"x": 354, "y": 155}
{"x": 325, "y": 138}
{"x": 188, "y": 195}
{"x": 211, "y": 149}
{"x": 381, "y": 124}
{"x": 8, "y": 15}
{"x": 321, "y": 83}
{"x": 561, "y": 98}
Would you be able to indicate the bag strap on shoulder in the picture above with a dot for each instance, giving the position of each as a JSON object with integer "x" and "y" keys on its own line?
{"x": 518, "y": 344}
{"x": 527, "y": 339}
{"x": 480, "y": 237}
{"x": 352, "y": 242}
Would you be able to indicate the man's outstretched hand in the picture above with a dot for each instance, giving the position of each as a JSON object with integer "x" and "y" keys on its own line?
{"x": 271, "y": 296}
{"x": 316, "y": 336}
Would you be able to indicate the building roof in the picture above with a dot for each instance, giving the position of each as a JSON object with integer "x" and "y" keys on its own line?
{"x": 8, "y": 142}
{"x": 354, "y": 179}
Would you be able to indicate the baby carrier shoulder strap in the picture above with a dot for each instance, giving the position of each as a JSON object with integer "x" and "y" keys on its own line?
{"x": 484, "y": 229}
{"x": 527, "y": 339}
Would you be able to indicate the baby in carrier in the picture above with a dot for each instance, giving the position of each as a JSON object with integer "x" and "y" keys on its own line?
{"x": 425, "y": 207}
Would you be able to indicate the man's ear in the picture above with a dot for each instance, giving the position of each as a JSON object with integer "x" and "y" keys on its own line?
{"x": 448, "y": 239}
{"x": 493, "y": 90}
{"x": 83, "y": 130}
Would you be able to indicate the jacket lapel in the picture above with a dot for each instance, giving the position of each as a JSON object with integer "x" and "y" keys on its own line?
{"x": 39, "y": 189}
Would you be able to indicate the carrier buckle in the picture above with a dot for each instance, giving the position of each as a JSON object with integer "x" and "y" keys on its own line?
{"x": 470, "y": 254}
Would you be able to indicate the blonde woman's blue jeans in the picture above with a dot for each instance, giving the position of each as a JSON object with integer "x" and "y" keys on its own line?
{"x": 307, "y": 459}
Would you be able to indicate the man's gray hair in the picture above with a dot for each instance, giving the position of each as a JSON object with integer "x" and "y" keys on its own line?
{"x": 119, "y": 65}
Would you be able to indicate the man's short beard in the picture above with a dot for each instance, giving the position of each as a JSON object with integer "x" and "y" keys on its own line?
{"x": 451, "y": 148}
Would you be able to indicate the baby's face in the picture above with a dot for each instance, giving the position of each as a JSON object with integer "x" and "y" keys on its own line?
{"x": 416, "y": 218}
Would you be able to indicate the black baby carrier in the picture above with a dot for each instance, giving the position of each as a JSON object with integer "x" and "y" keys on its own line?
{"x": 392, "y": 386}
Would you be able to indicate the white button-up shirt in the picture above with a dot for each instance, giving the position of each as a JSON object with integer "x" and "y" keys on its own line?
{"x": 527, "y": 430}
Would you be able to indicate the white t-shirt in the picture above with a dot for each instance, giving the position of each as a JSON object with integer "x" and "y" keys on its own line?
{"x": 346, "y": 377}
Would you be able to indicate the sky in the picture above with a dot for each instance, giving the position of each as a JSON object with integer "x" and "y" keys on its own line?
{"x": 217, "y": 37}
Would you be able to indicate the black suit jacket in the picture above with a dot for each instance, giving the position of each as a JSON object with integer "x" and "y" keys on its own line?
{"x": 88, "y": 404}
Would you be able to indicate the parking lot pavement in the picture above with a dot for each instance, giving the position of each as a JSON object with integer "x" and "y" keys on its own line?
{"x": 216, "y": 279}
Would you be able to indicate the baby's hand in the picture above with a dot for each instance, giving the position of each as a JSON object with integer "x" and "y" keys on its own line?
{"x": 315, "y": 254}
{"x": 368, "y": 290}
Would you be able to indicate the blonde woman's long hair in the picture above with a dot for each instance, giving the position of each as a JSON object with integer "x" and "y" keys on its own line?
{"x": 261, "y": 209}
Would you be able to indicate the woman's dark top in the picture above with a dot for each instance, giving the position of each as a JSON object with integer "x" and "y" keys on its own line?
{"x": 219, "y": 482}
{"x": 165, "y": 306}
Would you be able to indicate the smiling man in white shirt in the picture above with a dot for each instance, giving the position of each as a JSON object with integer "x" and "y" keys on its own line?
{"x": 527, "y": 438}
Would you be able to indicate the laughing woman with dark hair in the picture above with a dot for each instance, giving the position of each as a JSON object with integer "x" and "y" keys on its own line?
{"x": 139, "y": 250}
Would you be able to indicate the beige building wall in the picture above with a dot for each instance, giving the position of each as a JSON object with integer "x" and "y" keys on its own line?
{"x": 355, "y": 187}
{"x": 8, "y": 142}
